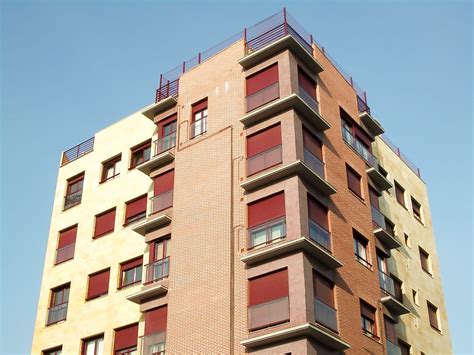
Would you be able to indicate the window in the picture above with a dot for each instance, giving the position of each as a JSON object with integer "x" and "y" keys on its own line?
{"x": 400, "y": 194}
{"x": 374, "y": 198}
{"x": 325, "y": 313}
{"x": 268, "y": 300}
{"x": 155, "y": 331}
{"x": 104, "y": 223}
{"x": 313, "y": 152}
{"x": 390, "y": 332}
{"x": 353, "y": 181}
{"x": 416, "y": 209}
{"x": 397, "y": 285}
{"x": 405, "y": 348}
{"x": 66, "y": 245}
{"x": 58, "y": 304}
{"x": 368, "y": 322}
{"x": 135, "y": 210}
{"x": 98, "y": 284}
{"x": 166, "y": 134}
{"x": 262, "y": 87}
{"x": 126, "y": 338}
{"x": 74, "y": 191}
{"x": 163, "y": 192}
{"x": 131, "y": 272}
{"x": 356, "y": 138}
{"x": 425, "y": 260}
{"x": 433, "y": 316}
{"x": 159, "y": 257}
{"x": 264, "y": 150}
{"x": 110, "y": 168}
{"x": 361, "y": 249}
{"x": 93, "y": 346}
{"x": 307, "y": 86}
{"x": 199, "y": 119}
{"x": 55, "y": 351}
{"x": 386, "y": 282}
{"x": 266, "y": 220}
{"x": 415, "y": 297}
{"x": 140, "y": 154}
{"x": 318, "y": 223}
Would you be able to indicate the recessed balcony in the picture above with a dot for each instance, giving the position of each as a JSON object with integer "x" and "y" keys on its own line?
{"x": 390, "y": 298}
{"x": 372, "y": 125}
{"x": 148, "y": 292}
{"x": 163, "y": 154}
{"x": 159, "y": 107}
{"x": 158, "y": 216}
{"x": 382, "y": 232}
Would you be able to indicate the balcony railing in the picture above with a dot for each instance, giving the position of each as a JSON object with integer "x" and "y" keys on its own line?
{"x": 264, "y": 160}
{"x": 198, "y": 127}
{"x": 267, "y": 233}
{"x": 325, "y": 315}
{"x": 72, "y": 200}
{"x": 393, "y": 349}
{"x": 167, "y": 89}
{"x": 314, "y": 163}
{"x": 165, "y": 143}
{"x": 355, "y": 143}
{"x": 157, "y": 270}
{"x": 153, "y": 344}
{"x": 65, "y": 253}
{"x": 378, "y": 218}
{"x": 77, "y": 151}
{"x": 161, "y": 202}
{"x": 263, "y": 96}
{"x": 309, "y": 99}
{"x": 386, "y": 283}
{"x": 269, "y": 313}
{"x": 57, "y": 313}
{"x": 320, "y": 235}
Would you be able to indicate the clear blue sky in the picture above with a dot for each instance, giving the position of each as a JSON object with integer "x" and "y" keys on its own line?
{"x": 71, "y": 68}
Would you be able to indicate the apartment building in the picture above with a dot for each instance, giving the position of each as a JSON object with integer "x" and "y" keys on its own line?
{"x": 254, "y": 207}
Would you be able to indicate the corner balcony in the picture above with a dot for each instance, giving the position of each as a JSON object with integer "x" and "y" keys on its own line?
{"x": 163, "y": 154}
{"x": 164, "y": 101}
{"x": 157, "y": 218}
{"x": 153, "y": 286}
{"x": 382, "y": 232}
{"x": 372, "y": 125}
{"x": 389, "y": 298}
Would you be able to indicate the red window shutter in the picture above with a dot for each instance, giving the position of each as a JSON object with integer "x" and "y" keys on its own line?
{"x": 269, "y": 287}
{"x": 323, "y": 289}
{"x": 313, "y": 144}
{"x": 104, "y": 223}
{"x": 164, "y": 122}
{"x": 266, "y": 209}
{"x": 262, "y": 79}
{"x": 98, "y": 284}
{"x": 199, "y": 106}
{"x": 390, "y": 332}
{"x": 163, "y": 182}
{"x": 374, "y": 198}
{"x": 367, "y": 311}
{"x": 135, "y": 207}
{"x": 318, "y": 213}
{"x": 126, "y": 337}
{"x": 155, "y": 320}
{"x": 307, "y": 83}
{"x": 353, "y": 181}
{"x": 67, "y": 237}
{"x": 131, "y": 264}
{"x": 264, "y": 140}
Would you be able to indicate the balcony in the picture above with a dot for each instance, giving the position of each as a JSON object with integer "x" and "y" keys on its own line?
{"x": 325, "y": 315}
{"x": 164, "y": 101}
{"x": 157, "y": 217}
{"x": 373, "y": 171}
{"x": 162, "y": 154}
{"x": 372, "y": 125}
{"x": 263, "y": 97}
{"x": 393, "y": 349}
{"x": 148, "y": 292}
{"x": 382, "y": 232}
{"x": 264, "y": 160}
{"x": 65, "y": 253}
{"x": 157, "y": 270}
{"x": 153, "y": 344}
{"x": 77, "y": 152}
{"x": 72, "y": 200}
{"x": 269, "y": 313}
{"x": 57, "y": 314}
{"x": 198, "y": 127}
{"x": 308, "y": 99}
{"x": 267, "y": 233}
{"x": 389, "y": 297}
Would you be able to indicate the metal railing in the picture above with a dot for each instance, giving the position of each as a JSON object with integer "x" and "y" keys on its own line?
{"x": 393, "y": 349}
{"x": 77, "y": 151}
{"x": 362, "y": 105}
{"x": 355, "y": 143}
{"x": 311, "y": 101}
{"x": 378, "y": 218}
{"x": 269, "y": 313}
{"x": 153, "y": 344}
{"x": 320, "y": 235}
{"x": 167, "y": 89}
{"x": 263, "y": 96}
{"x": 267, "y": 233}
{"x": 314, "y": 163}
{"x": 161, "y": 202}
{"x": 402, "y": 156}
{"x": 157, "y": 270}
{"x": 72, "y": 200}
{"x": 57, "y": 313}
{"x": 264, "y": 160}
{"x": 65, "y": 253}
{"x": 386, "y": 283}
{"x": 164, "y": 143}
{"x": 325, "y": 315}
{"x": 198, "y": 127}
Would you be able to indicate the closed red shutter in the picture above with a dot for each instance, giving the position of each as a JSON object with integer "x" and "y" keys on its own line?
{"x": 318, "y": 213}
{"x": 323, "y": 289}
{"x": 104, "y": 223}
{"x": 353, "y": 181}
{"x": 163, "y": 182}
{"x": 264, "y": 140}
{"x": 155, "y": 320}
{"x": 131, "y": 264}
{"x": 269, "y": 287}
{"x": 307, "y": 83}
{"x": 126, "y": 337}
{"x": 164, "y": 122}
{"x": 199, "y": 106}
{"x": 67, "y": 237}
{"x": 374, "y": 198}
{"x": 390, "y": 332}
{"x": 262, "y": 79}
{"x": 98, "y": 284}
{"x": 367, "y": 311}
{"x": 135, "y": 207}
{"x": 313, "y": 144}
{"x": 267, "y": 209}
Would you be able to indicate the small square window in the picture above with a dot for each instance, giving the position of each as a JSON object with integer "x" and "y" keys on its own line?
{"x": 433, "y": 316}
{"x": 131, "y": 272}
{"x": 425, "y": 261}
{"x": 140, "y": 154}
{"x": 110, "y": 168}
{"x": 93, "y": 346}
{"x": 400, "y": 194}
{"x": 74, "y": 191}
{"x": 416, "y": 207}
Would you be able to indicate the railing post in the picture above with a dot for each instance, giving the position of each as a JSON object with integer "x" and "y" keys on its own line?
{"x": 199, "y": 57}
{"x": 311, "y": 39}
{"x": 184, "y": 67}
{"x": 245, "y": 40}
{"x": 365, "y": 96}
{"x": 284, "y": 21}
{"x": 352, "y": 83}
{"x": 168, "y": 89}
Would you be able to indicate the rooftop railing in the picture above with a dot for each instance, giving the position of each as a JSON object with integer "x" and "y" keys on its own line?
{"x": 77, "y": 151}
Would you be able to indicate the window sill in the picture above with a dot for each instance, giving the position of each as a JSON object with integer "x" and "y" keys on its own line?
{"x": 62, "y": 262}
{"x": 102, "y": 235}
{"x": 372, "y": 337}
{"x": 364, "y": 263}
{"x": 269, "y": 326}
{"x": 56, "y": 323}
{"x": 129, "y": 286}
{"x": 360, "y": 198}
{"x": 436, "y": 329}
{"x": 133, "y": 222}
{"x": 96, "y": 297}
{"x": 109, "y": 179}
{"x": 70, "y": 207}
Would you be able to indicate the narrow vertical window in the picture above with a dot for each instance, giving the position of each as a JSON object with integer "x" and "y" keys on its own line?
{"x": 307, "y": 89}
{"x": 66, "y": 245}
{"x": 74, "y": 191}
{"x": 433, "y": 316}
{"x": 391, "y": 335}
{"x": 163, "y": 192}
{"x": 126, "y": 339}
{"x": 58, "y": 304}
{"x": 131, "y": 272}
{"x": 166, "y": 134}
{"x": 400, "y": 194}
{"x": 416, "y": 207}
{"x": 313, "y": 152}
{"x": 199, "y": 119}
{"x": 325, "y": 312}
{"x": 353, "y": 181}
{"x": 361, "y": 249}
{"x": 368, "y": 320}
{"x": 262, "y": 87}
{"x": 264, "y": 150}
{"x": 154, "y": 341}
{"x": 424, "y": 260}
{"x": 159, "y": 257}
{"x": 318, "y": 223}
{"x": 140, "y": 154}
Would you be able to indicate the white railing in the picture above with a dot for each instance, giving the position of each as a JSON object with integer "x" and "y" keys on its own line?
{"x": 325, "y": 314}
{"x": 264, "y": 160}
{"x": 311, "y": 101}
{"x": 269, "y": 313}
{"x": 263, "y": 96}
{"x": 65, "y": 253}
{"x": 165, "y": 143}
{"x": 319, "y": 235}
{"x": 162, "y": 201}
{"x": 314, "y": 163}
